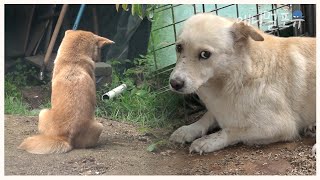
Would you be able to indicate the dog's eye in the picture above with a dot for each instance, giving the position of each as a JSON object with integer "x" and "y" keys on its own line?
{"x": 205, "y": 54}
{"x": 178, "y": 48}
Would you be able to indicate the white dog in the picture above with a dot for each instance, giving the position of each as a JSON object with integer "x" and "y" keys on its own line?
{"x": 258, "y": 88}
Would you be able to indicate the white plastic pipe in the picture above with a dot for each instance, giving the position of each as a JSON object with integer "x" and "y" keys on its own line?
{"x": 114, "y": 92}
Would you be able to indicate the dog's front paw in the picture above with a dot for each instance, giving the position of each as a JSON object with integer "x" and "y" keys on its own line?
{"x": 185, "y": 134}
{"x": 209, "y": 143}
{"x": 310, "y": 131}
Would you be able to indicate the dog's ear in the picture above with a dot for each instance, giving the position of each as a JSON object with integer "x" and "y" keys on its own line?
{"x": 102, "y": 41}
{"x": 67, "y": 32}
{"x": 242, "y": 31}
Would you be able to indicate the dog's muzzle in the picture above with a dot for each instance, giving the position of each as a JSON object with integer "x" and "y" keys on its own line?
{"x": 176, "y": 83}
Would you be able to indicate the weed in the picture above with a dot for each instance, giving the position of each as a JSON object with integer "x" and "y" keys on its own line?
{"x": 14, "y": 81}
{"x": 140, "y": 103}
{"x": 13, "y": 101}
{"x": 157, "y": 145}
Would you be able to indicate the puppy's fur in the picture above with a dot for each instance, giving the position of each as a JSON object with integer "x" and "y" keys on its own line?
{"x": 70, "y": 122}
{"x": 257, "y": 88}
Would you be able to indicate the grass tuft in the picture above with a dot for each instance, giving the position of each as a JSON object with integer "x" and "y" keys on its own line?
{"x": 14, "y": 82}
{"x": 140, "y": 103}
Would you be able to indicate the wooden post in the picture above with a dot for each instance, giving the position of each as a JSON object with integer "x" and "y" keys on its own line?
{"x": 53, "y": 39}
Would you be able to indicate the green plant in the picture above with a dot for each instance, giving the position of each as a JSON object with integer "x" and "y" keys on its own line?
{"x": 140, "y": 103}
{"x": 157, "y": 145}
{"x": 14, "y": 81}
{"x": 21, "y": 74}
{"x": 13, "y": 101}
{"x": 142, "y": 10}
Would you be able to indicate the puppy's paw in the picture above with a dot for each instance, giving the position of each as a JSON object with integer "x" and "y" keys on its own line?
{"x": 209, "y": 143}
{"x": 185, "y": 134}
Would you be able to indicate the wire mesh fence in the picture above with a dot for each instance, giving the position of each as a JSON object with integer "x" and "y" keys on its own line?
{"x": 168, "y": 20}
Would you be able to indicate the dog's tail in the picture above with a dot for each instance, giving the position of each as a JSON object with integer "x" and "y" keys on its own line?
{"x": 43, "y": 144}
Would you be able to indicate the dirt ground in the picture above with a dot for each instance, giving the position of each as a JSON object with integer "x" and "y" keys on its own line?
{"x": 122, "y": 150}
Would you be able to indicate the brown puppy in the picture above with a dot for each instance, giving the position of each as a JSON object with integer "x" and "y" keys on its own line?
{"x": 70, "y": 122}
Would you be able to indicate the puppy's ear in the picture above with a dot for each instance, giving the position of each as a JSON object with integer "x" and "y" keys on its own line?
{"x": 102, "y": 41}
{"x": 67, "y": 32}
{"x": 242, "y": 31}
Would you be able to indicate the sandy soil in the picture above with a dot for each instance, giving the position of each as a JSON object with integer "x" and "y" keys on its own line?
{"x": 122, "y": 150}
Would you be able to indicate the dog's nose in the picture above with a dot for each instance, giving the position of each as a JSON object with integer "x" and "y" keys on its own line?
{"x": 177, "y": 83}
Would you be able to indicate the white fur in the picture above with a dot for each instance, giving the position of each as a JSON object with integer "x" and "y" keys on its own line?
{"x": 258, "y": 90}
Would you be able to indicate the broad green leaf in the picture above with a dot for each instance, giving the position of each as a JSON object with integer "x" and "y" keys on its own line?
{"x": 155, "y": 146}
{"x": 152, "y": 147}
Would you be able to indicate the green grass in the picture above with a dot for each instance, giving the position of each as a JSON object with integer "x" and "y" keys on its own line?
{"x": 150, "y": 111}
{"x": 14, "y": 82}
{"x": 141, "y": 104}
{"x": 16, "y": 106}
{"x": 13, "y": 100}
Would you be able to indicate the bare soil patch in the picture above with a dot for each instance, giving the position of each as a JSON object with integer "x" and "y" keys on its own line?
{"x": 122, "y": 150}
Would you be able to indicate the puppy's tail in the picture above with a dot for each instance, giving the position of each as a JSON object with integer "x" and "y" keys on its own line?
{"x": 43, "y": 144}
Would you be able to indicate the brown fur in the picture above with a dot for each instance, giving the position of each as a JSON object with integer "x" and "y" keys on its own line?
{"x": 70, "y": 122}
